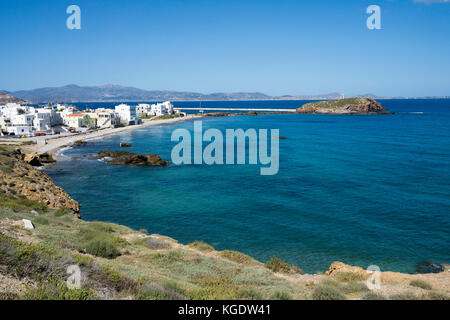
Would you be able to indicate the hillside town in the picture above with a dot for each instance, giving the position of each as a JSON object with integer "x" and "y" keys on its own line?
{"x": 26, "y": 121}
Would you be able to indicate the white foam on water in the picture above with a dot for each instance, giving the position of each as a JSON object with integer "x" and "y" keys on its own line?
{"x": 105, "y": 159}
{"x": 61, "y": 155}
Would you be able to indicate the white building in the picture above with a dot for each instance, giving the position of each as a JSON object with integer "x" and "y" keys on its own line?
{"x": 106, "y": 117}
{"x": 19, "y": 130}
{"x": 63, "y": 112}
{"x": 143, "y": 110}
{"x": 16, "y": 119}
{"x": 160, "y": 109}
{"x": 127, "y": 114}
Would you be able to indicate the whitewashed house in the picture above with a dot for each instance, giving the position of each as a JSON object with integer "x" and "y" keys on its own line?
{"x": 16, "y": 119}
{"x": 143, "y": 110}
{"x": 64, "y": 112}
{"x": 160, "y": 109}
{"x": 19, "y": 130}
{"x": 106, "y": 117}
{"x": 127, "y": 114}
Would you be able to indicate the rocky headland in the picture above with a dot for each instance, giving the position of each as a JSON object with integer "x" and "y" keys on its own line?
{"x": 344, "y": 106}
{"x": 20, "y": 178}
{"x": 7, "y": 98}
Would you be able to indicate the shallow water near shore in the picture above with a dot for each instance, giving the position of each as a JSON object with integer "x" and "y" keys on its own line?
{"x": 364, "y": 190}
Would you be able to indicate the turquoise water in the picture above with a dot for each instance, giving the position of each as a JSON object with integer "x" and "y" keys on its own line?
{"x": 359, "y": 189}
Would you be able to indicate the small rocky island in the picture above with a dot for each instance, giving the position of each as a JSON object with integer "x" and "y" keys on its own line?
{"x": 345, "y": 106}
{"x": 123, "y": 158}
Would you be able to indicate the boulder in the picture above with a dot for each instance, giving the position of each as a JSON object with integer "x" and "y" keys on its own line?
{"x": 124, "y": 145}
{"x": 79, "y": 143}
{"x": 37, "y": 160}
{"x": 124, "y": 158}
{"x": 46, "y": 158}
{"x": 33, "y": 159}
{"x": 429, "y": 267}
{"x": 28, "y": 224}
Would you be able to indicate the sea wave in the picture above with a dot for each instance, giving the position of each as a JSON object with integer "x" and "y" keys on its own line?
{"x": 61, "y": 154}
{"x": 105, "y": 159}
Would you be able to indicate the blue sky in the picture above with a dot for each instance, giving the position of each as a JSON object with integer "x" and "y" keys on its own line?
{"x": 276, "y": 47}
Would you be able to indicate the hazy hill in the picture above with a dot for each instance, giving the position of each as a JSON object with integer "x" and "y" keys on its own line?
{"x": 7, "y": 98}
{"x": 109, "y": 93}
{"x": 75, "y": 93}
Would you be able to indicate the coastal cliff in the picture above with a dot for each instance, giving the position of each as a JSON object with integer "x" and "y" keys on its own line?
{"x": 21, "y": 179}
{"x": 344, "y": 106}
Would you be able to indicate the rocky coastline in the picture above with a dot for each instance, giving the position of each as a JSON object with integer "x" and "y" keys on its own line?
{"x": 20, "y": 177}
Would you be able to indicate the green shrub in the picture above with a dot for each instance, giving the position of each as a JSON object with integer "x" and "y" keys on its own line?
{"x": 277, "y": 265}
{"x": 101, "y": 248}
{"x": 216, "y": 288}
{"x": 237, "y": 257}
{"x": 200, "y": 245}
{"x": 404, "y": 296}
{"x": 249, "y": 294}
{"x": 323, "y": 292}
{"x": 56, "y": 290}
{"x": 82, "y": 260}
{"x": 330, "y": 283}
{"x": 61, "y": 212}
{"x": 154, "y": 243}
{"x": 21, "y": 259}
{"x": 98, "y": 227}
{"x": 433, "y": 295}
{"x": 41, "y": 220}
{"x": 421, "y": 284}
{"x": 20, "y": 202}
{"x": 166, "y": 258}
{"x": 281, "y": 295}
{"x": 348, "y": 276}
{"x": 354, "y": 287}
{"x": 8, "y": 296}
{"x": 152, "y": 291}
{"x": 111, "y": 278}
{"x": 374, "y": 296}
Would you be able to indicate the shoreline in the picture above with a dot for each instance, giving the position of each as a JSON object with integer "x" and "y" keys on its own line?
{"x": 55, "y": 144}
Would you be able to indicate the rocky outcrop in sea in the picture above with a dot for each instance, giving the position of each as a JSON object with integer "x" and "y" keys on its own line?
{"x": 345, "y": 106}
{"x": 128, "y": 158}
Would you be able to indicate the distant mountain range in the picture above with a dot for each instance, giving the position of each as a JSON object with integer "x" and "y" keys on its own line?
{"x": 115, "y": 93}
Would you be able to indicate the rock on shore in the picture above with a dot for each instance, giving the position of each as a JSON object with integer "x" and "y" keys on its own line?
{"x": 122, "y": 158}
{"x": 80, "y": 143}
{"x": 345, "y": 106}
{"x": 36, "y": 159}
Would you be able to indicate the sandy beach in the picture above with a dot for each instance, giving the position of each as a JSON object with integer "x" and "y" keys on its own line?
{"x": 54, "y": 143}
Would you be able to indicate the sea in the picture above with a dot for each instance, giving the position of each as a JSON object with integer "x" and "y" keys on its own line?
{"x": 364, "y": 190}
